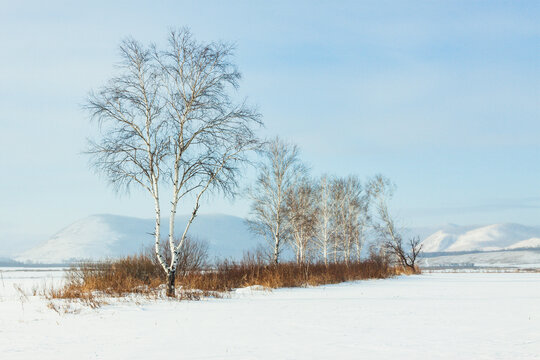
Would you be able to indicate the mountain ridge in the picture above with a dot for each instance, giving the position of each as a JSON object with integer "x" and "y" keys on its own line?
{"x": 102, "y": 236}
{"x": 493, "y": 237}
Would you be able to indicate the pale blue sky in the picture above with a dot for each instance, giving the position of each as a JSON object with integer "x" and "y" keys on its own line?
{"x": 443, "y": 97}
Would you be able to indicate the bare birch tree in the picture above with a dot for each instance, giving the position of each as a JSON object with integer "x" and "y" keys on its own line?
{"x": 325, "y": 224}
{"x": 278, "y": 172}
{"x": 302, "y": 216}
{"x": 350, "y": 205}
{"x": 337, "y": 200}
{"x": 169, "y": 118}
{"x": 381, "y": 190}
{"x": 363, "y": 218}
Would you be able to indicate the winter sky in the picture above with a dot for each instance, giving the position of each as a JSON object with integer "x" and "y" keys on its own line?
{"x": 443, "y": 97}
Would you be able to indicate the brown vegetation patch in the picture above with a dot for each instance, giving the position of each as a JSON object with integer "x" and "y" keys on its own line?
{"x": 142, "y": 275}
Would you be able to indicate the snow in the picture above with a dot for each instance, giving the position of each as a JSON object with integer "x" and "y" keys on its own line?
{"x": 108, "y": 236}
{"x": 439, "y": 239}
{"x": 529, "y": 243}
{"x": 430, "y": 316}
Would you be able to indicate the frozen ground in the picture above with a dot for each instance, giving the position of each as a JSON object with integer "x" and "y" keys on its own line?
{"x": 431, "y": 316}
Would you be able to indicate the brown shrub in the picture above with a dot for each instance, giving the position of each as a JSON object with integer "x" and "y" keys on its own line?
{"x": 193, "y": 256}
{"x": 139, "y": 274}
{"x": 230, "y": 275}
{"x": 131, "y": 274}
{"x": 142, "y": 275}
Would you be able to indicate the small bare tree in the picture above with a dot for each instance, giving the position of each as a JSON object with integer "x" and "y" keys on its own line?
{"x": 381, "y": 189}
{"x": 278, "y": 172}
{"x": 405, "y": 257}
{"x": 169, "y": 118}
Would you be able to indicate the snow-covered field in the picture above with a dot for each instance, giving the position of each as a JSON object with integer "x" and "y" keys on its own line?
{"x": 430, "y": 316}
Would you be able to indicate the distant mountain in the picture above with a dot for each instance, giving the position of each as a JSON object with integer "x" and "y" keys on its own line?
{"x": 454, "y": 238}
{"x": 4, "y": 261}
{"x": 110, "y": 236}
{"x": 491, "y": 245}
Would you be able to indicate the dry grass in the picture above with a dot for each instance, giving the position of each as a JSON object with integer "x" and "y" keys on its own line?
{"x": 230, "y": 275}
{"x": 141, "y": 274}
{"x": 132, "y": 274}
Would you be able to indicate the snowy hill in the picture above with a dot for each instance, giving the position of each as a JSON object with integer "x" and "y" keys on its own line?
{"x": 110, "y": 236}
{"x": 492, "y": 245}
{"x": 453, "y": 238}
